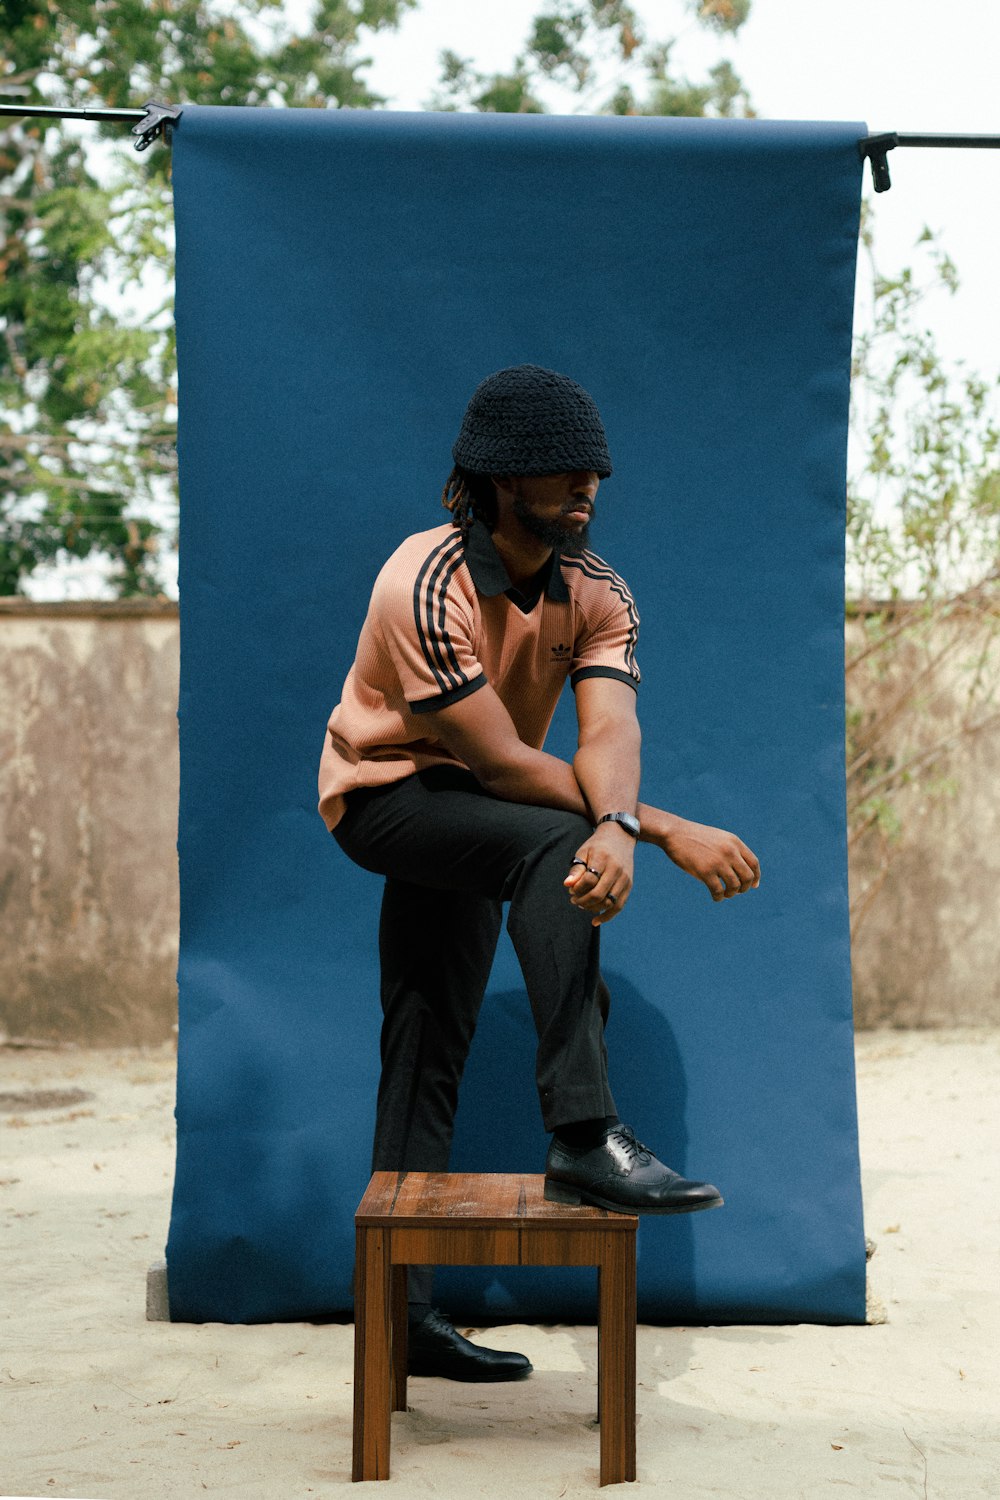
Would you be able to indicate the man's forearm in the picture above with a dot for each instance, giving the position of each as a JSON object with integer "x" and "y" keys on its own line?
{"x": 540, "y": 779}
{"x": 544, "y": 780}
{"x": 608, "y": 772}
{"x": 607, "y": 769}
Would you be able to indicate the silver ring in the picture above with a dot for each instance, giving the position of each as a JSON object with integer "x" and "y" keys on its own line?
{"x": 598, "y": 873}
{"x": 578, "y": 862}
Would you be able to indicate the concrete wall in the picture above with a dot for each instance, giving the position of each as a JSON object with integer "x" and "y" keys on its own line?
{"x": 88, "y": 808}
{"x": 927, "y": 952}
{"x": 88, "y": 862}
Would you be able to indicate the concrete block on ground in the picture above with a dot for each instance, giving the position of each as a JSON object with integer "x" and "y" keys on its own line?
{"x": 157, "y": 1301}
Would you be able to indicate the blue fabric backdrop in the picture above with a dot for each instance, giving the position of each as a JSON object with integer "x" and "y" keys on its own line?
{"x": 344, "y": 280}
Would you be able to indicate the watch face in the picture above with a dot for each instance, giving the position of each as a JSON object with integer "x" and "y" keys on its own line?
{"x": 628, "y": 822}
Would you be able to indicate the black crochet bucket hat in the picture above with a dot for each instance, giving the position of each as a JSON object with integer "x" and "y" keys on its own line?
{"x": 528, "y": 420}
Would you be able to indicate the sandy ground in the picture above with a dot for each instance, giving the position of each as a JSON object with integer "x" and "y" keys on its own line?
{"x": 99, "y": 1403}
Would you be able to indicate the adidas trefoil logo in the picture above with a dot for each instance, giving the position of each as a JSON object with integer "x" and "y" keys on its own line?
{"x": 561, "y": 652}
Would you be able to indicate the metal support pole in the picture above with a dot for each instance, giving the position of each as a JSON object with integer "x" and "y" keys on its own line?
{"x": 156, "y": 119}
{"x": 876, "y": 147}
{"x": 153, "y": 120}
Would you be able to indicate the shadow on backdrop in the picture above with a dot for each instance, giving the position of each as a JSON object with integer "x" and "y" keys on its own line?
{"x": 508, "y": 1136}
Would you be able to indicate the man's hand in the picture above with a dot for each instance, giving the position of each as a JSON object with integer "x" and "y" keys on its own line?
{"x": 720, "y": 860}
{"x": 602, "y": 882}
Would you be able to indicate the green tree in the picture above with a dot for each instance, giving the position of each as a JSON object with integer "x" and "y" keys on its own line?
{"x": 87, "y": 426}
{"x": 596, "y": 52}
{"x": 87, "y": 358}
{"x": 923, "y": 547}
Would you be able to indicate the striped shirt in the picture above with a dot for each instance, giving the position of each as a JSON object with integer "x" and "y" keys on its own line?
{"x": 444, "y": 620}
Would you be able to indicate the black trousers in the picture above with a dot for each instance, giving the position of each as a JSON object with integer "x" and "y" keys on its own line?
{"x": 452, "y": 854}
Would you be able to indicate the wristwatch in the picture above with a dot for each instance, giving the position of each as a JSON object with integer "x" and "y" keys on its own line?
{"x": 629, "y": 823}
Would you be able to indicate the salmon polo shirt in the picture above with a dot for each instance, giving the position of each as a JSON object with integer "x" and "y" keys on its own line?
{"x": 444, "y": 620}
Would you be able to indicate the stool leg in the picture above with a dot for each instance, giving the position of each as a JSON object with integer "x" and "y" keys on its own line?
{"x": 616, "y": 1358}
{"x": 400, "y": 1314}
{"x": 598, "y": 1344}
{"x": 372, "y": 1355}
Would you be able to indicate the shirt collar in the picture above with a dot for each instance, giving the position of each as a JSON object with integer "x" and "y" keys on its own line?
{"x": 490, "y": 575}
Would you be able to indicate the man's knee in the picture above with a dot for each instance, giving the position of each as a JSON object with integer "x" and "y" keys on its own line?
{"x": 565, "y": 830}
{"x": 553, "y": 841}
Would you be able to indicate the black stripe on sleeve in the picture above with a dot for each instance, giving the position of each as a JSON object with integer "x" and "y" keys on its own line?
{"x": 443, "y": 597}
{"x": 595, "y": 567}
{"x": 439, "y": 638}
{"x": 614, "y": 672}
{"x": 429, "y": 644}
{"x": 444, "y": 700}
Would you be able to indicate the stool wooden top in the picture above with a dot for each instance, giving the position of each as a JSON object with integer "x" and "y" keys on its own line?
{"x": 477, "y": 1200}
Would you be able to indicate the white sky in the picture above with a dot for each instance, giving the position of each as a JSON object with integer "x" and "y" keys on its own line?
{"x": 905, "y": 65}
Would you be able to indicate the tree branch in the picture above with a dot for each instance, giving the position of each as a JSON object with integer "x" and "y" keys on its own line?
{"x": 923, "y": 756}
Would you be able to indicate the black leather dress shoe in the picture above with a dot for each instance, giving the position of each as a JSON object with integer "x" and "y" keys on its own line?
{"x": 622, "y": 1174}
{"x": 435, "y": 1347}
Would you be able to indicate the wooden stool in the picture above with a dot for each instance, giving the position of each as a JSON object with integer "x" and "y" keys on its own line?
{"x": 496, "y": 1219}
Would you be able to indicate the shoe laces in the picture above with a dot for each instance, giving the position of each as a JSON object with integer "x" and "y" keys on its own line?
{"x": 637, "y": 1152}
{"x": 432, "y": 1321}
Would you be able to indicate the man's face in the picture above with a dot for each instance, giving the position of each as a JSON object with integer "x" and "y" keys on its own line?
{"x": 556, "y": 508}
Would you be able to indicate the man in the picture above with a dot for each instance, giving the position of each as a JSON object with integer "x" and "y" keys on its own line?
{"x": 433, "y": 775}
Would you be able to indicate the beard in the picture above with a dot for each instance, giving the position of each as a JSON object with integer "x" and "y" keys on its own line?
{"x": 571, "y": 542}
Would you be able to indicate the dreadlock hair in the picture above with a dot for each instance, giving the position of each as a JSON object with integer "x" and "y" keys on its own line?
{"x": 467, "y": 495}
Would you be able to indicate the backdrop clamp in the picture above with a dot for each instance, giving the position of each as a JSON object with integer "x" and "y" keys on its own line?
{"x": 159, "y": 119}
{"x": 876, "y": 147}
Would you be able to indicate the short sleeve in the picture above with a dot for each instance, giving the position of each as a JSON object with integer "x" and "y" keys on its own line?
{"x": 608, "y": 648}
{"x": 425, "y": 623}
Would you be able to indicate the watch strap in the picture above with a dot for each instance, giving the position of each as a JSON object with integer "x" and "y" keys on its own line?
{"x": 627, "y": 820}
